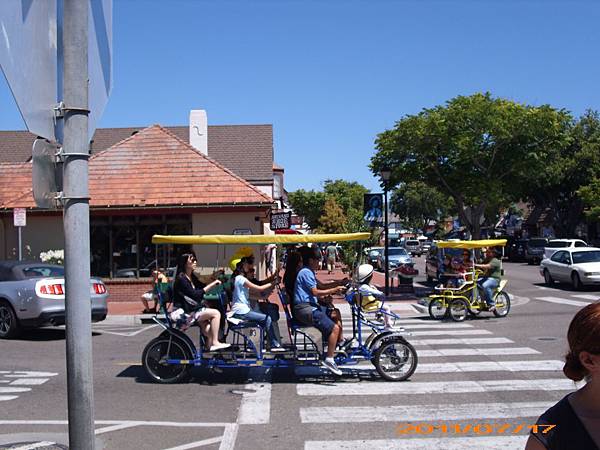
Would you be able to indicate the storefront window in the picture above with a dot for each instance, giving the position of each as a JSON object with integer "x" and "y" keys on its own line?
{"x": 121, "y": 246}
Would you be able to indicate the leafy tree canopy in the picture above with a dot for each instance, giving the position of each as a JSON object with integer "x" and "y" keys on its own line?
{"x": 477, "y": 149}
{"x": 333, "y": 219}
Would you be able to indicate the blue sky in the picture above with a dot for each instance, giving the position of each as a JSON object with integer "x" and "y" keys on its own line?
{"x": 329, "y": 75}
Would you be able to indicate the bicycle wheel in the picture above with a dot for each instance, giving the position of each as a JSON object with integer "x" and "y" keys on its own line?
{"x": 458, "y": 309}
{"x": 437, "y": 308}
{"x": 502, "y": 301}
{"x": 395, "y": 359}
{"x": 156, "y": 354}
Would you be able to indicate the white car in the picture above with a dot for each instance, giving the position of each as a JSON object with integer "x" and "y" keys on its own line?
{"x": 552, "y": 246}
{"x": 578, "y": 266}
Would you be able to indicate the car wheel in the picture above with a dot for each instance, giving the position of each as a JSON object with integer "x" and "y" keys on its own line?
{"x": 548, "y": 278}
{"x": 576, "y": 281}
{"x": 9, "y": 324}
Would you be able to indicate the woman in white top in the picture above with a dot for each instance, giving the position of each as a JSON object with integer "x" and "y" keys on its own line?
{"x": 241, "y": 301}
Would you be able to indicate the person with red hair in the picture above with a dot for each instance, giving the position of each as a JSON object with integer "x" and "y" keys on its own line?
{"x": 576, "y": 418}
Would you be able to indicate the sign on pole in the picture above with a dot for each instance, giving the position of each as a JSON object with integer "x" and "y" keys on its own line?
{"x": 281, "y": 221}
{"x": 29, "y": 31}
{"x": 20, "y": 217}
{"x": 373, "y": 209}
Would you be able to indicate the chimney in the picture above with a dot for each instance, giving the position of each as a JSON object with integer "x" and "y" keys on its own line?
{"x": 199, "y": 130}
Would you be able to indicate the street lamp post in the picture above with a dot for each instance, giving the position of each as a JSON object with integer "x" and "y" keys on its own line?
{"x": 385, "y": 176}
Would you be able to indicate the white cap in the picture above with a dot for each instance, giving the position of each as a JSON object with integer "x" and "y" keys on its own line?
{"x": 364, "y": 272}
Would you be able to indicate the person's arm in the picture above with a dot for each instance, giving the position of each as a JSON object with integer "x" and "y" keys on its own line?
{"x": 191, "y": 296}
{"x": 211, "y": 285}
{"x": 370, "y": 290}
{"x": 332, "y": 284}
{"x": 534, "y": 444}
{"x": 325, "y": 292}
{"x": 258, "y": 288}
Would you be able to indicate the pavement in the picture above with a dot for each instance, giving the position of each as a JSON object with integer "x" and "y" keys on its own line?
{"x": 479, "y": 384}
{"x": 131, "y": 312}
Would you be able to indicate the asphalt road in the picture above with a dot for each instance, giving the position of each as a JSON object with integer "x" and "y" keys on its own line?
{"x": 498, "y": 373}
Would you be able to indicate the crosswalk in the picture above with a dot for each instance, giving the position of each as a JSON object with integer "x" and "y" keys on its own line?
{"x": 18, "y": 382}
{"x": 577, "y": 300}
{"x": 466, "y": 375}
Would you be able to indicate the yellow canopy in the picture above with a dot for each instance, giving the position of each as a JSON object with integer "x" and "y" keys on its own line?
{"x": 472, "y": 244}
{"x": 258, "y": 238}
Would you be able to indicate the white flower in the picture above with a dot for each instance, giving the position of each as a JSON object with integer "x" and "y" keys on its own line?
{"x": 53, "y": 257}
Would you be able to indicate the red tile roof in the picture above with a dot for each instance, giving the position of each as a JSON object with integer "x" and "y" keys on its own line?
{"x": 247, "y": 150}
{"x": 151, "y": 168}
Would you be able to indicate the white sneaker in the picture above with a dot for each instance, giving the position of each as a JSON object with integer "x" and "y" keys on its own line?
{"x": 219, "y": 346}
{"x": 332, "y": 366}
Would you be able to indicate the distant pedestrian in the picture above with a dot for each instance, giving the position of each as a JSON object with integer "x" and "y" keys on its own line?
{"x": 158, "y": 278}
{"x": 574, "y": 422}
{"x": 332, "y": 256}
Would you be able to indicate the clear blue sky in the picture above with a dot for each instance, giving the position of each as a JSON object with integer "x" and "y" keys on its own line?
{"x": 329, "y": 75}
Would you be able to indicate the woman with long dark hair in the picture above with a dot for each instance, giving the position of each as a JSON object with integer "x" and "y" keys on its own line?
{"x": 188, "y": 293}
{"x": 574, "y": 422}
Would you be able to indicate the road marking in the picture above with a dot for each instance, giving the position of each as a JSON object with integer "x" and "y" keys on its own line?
{"x": 256, "y": 406}
{"x": 562, "y": 301}
{"x": 34, "y": 445}
{"x": 229, "y": 436}
{"x": 491, "y": 366}
{"x": 484, "y": 442}
{"x": 587, "y": 297}
{"x": 477, "y": 352}
{"x": 121, "y": 426}
{"x": 464, "y": 341}
{"x": 405, "y": 413}
{"x": 450, "y": 332}
{"x": 29, "y": 381}
{"x": 12, "y": 390}
{"x": 438, "y": 325}
{"x": 435, "y": 387}
{"x": 29, "y": 374}
{"x": 197, "y": 444}
{"x": 5, "y": 398}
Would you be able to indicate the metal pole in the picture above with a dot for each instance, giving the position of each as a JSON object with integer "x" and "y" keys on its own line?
{"x": 387, "y": 240}
{"x": 76, "y": 219}
{"x": 20, "y": 245}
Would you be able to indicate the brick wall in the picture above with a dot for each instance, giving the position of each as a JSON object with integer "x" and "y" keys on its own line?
{"x": 127, "y": 289}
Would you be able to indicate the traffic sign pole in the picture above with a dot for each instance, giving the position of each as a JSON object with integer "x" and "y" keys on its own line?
{"x": 76, "y": 221}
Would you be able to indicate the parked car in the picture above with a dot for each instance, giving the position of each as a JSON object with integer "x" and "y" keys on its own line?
{"x": 534, "y": 250}
{"x": 397, "y": 257}
{"x": 413, "y": 247}
{"x": 576, "y": 265}
{"x": 517, "y": 250}
{"x": 553, "y": 245}
{"x": 374, "y": 256}
{"x": 32, "y": 295}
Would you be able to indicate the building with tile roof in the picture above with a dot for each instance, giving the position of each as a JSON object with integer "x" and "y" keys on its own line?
{"x": 151, "y": 182}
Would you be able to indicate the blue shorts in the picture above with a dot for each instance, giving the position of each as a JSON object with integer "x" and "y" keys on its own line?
{"x": 322, "y": 322}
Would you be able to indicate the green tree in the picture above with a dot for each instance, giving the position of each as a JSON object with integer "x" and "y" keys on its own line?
{"x": 417, "y": 203}
{"x": 590, "y": 195}
{"x": 479, "y": 150}
{"x": 308, "y": 204}
{"x": 566, "y": 182}
{"x": 333, "y": 219}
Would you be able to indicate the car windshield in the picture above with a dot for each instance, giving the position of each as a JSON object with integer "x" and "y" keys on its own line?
{"x": 43, "y": 271}
{"x": 412, "y": 242}
{"x": 397, "y": 252}
{"x": 537, "y": 242}
{"x": 586, "y": 257}
{"x": 557, "y": 244}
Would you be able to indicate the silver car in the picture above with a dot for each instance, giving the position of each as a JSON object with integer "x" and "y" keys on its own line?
{"x": 578, "y": 266}
{"x": 397, "y": 257}
{"x": 32, "y": 295}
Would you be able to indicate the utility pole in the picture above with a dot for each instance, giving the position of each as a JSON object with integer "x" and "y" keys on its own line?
{"x": 76, "y": 221}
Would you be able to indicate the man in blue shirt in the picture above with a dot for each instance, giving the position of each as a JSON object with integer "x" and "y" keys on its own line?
{"x": 307, "y": 309}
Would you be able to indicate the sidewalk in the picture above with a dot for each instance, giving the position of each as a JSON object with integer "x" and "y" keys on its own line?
{"x": 133, "y": 310}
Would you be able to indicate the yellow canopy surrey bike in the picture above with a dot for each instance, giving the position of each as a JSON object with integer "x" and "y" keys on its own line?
{"x": 458, "y": 302}
{"x": 169, "y": 357}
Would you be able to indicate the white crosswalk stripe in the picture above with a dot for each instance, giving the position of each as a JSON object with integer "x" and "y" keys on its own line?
{"x": 587, "y": 297}
{"x": 562, "y": 301}
{"x": 19, "y": 382}
{"x": 488, "y": 443}
{"x": 435, "y": 341}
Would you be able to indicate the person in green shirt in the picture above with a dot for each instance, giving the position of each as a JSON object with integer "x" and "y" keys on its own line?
{"x": 493, "y": 274}
{"x": 332, "y": 255}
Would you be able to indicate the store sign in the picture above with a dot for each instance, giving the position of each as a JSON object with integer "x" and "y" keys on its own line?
{"x": 242, "y": 231}
{"x": 281, "y": 221}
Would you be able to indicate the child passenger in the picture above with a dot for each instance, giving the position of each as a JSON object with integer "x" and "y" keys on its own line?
{"x": 370, "y": 294}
